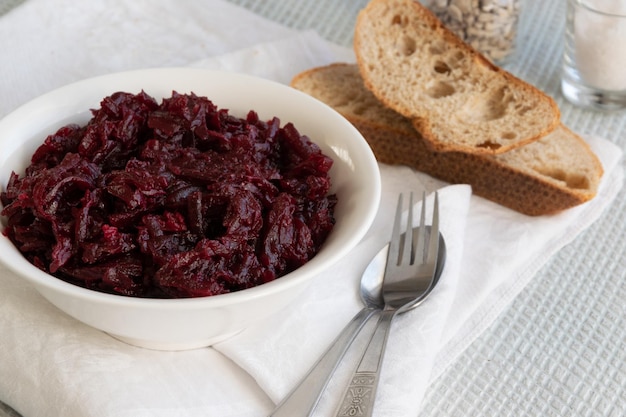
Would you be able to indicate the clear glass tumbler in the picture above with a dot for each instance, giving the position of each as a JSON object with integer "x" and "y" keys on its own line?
{"x": 594, "y": 62}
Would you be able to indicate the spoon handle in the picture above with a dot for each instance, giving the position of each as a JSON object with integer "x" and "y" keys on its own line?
{"x": 358, "y": 399}
{"x": 305, "y": 396}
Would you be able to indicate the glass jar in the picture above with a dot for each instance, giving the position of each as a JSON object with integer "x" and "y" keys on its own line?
{"x": 594, "y": 61}
{"x": 490, "y": 26}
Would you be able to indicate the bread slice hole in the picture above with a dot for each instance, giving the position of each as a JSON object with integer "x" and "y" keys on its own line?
{"x": 489, "y": 145}
{"x": 398, "y": 20}
{"x": 442, "y": 68}
{"x": 523, "y": 109}
{"x": 440, "y": 90}
{"x": 455, "y": 61}
{"x": 509, "y": 135}
{"x": 572, "y": 180}
{"x": 485, "y": 109}
{"x": 408, "y": 46}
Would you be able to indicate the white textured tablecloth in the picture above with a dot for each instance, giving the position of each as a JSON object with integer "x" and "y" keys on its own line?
{"x": 64, "y": 368}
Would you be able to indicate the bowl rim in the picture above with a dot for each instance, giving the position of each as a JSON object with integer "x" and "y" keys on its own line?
{"x": 38, "y": 277}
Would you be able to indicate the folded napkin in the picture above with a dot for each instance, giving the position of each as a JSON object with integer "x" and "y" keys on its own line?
{"x": 277, "y": 352}
{"x": 61, "y": 367}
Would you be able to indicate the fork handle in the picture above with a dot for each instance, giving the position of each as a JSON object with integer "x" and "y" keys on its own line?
{"x": 305, "y": 396}
{"x": 358, "y": 399}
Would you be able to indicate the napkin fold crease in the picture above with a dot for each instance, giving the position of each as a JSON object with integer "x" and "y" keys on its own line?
{"x": 62, "y": 367}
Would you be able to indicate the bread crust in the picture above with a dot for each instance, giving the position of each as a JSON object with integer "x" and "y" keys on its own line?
{"x": 452, "y": 94}
{"x": 505, "y": 179}
{"x": 490, "y": 179}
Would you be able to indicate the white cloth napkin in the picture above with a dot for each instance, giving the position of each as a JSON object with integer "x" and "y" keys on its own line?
{"x": 61, "y": 367}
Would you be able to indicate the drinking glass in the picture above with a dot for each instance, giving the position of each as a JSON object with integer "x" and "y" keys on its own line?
{"x": 594, "y": 61}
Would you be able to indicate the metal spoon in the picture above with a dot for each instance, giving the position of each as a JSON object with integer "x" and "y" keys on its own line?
{"x": 303, "y": 399}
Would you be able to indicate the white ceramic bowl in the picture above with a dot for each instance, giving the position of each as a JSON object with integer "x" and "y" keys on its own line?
{"x": 176, "y": 324}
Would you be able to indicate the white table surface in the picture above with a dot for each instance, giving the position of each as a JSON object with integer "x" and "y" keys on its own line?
{"x": 560, "y": 347}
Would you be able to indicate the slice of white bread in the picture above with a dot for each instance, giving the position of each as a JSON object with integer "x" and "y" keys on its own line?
{"x": 453, "y": 95}
{"x": 554, "y": 173}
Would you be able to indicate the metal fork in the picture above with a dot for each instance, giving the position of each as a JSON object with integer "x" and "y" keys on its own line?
{"x": 409, "y": 276}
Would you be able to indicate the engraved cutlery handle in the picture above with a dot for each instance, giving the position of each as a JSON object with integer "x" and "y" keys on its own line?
{"x": 301, "y": 401}
{"x": 358, "y": 399}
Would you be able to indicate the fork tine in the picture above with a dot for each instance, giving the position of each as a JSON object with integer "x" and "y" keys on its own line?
{"x": 394, "y": 244}
{"x": 433, "y": 243}
{"x": 420, "y": 235}
{"x": 407, "y": 249}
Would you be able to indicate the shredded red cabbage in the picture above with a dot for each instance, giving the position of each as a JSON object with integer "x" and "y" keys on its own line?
{"x": 171, "y": 200}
